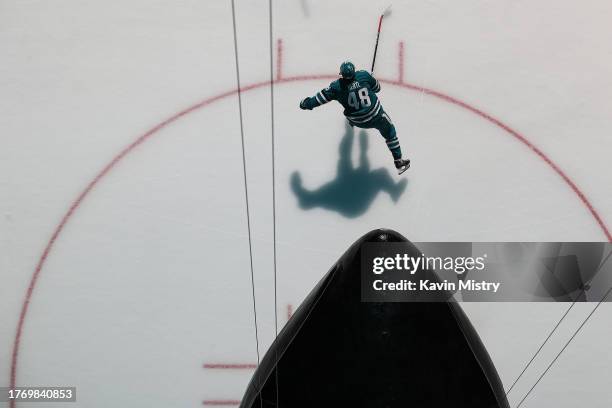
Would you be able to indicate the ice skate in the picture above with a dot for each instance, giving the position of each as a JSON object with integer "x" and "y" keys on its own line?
{"x": 402, "y": 165}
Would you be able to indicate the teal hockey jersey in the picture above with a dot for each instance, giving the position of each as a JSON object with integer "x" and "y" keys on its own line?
{"x": 357, "y": 96}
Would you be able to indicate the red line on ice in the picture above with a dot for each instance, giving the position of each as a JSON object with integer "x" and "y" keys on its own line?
{"x": 279, "y": 59}
{"x": 220, "y": 402}
{"x": 400, "y": 57}
{"x": 231, "y": 366}
{"x": 144, "y": 137}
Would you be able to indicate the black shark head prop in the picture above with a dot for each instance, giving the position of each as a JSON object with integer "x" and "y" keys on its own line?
{"x": 339, "y": 351}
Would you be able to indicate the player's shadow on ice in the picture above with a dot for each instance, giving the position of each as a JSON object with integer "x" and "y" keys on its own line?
{"x": 354, "y": 189}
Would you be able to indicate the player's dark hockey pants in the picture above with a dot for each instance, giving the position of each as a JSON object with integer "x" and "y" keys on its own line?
{"x": 383, "y": 124}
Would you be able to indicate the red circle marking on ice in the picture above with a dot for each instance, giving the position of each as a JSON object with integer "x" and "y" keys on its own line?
{"x": 106, "y": 169}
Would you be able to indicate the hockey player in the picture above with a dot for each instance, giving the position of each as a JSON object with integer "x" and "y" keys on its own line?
{"x": 356, "y": 92}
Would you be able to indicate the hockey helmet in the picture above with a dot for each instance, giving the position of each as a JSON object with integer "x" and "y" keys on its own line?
{"x": 347, "y": 70}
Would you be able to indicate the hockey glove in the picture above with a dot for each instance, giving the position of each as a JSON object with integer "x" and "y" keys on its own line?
{"x": 303, "y": 104}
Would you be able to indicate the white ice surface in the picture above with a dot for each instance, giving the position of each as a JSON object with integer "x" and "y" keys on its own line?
{"x": 150, "y": 277}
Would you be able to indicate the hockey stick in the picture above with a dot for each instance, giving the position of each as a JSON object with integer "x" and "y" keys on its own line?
{"x": 385, "y": 12}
